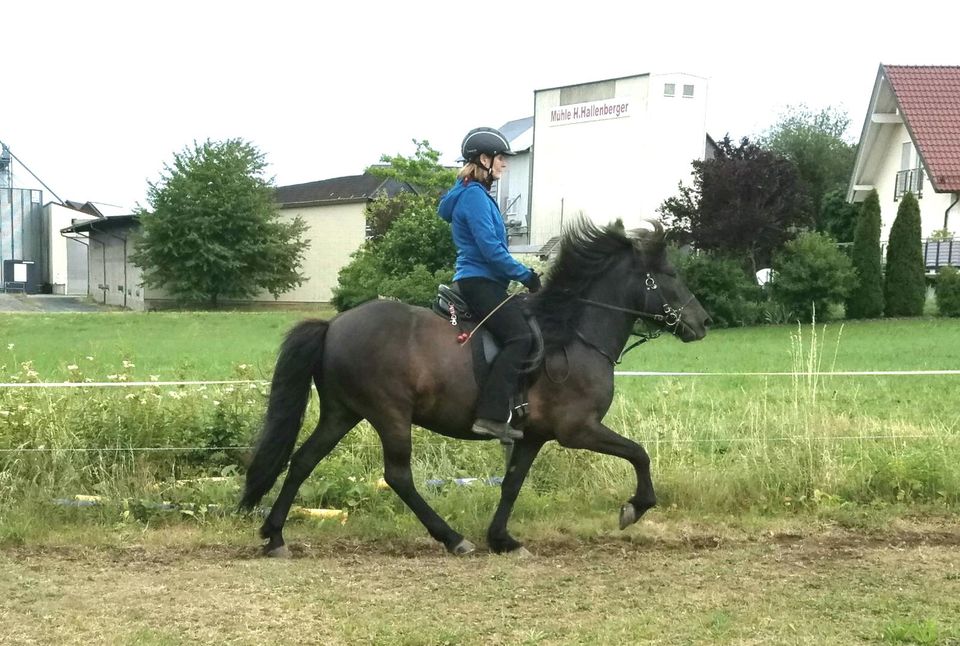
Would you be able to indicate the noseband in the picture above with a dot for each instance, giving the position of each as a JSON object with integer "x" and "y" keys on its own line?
{"x": 670, "y": 319}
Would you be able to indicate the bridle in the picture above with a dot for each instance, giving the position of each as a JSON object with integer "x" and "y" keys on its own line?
{"x": 671, "y": 318}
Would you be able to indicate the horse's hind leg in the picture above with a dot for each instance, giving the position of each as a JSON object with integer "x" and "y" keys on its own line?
{"x": 597, "y": 437}
{"x": 335, "y": 422}
{"x": 395, "y": 437}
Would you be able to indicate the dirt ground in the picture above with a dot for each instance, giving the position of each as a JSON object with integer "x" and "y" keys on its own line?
{"x": 831, "y": 586}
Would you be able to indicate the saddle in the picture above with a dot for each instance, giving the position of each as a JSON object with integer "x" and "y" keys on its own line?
{"x": 484, "y": 346}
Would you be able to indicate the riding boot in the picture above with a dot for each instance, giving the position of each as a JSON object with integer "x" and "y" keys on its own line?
{"x": 493, "y": 428}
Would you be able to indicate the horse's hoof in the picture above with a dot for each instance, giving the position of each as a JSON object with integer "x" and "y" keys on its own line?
{"x": 463, "y": 548}
{"x": 278, "y": 553}
{"x": 628, "y": 515}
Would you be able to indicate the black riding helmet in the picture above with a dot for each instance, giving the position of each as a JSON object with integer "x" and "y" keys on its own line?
{"x": 484, "y": 141}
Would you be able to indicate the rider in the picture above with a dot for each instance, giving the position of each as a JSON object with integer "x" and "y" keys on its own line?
{"x": 484, "y": 270}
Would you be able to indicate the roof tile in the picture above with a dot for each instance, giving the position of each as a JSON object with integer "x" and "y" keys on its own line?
{"x": 929, "y": 99}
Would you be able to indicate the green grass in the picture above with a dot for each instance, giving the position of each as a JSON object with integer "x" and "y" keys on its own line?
{"x": 173, "y": 345}
{"x": 726, "y": 445}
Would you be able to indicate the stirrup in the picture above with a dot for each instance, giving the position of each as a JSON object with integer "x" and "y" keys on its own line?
{"x": 500, "y": 430}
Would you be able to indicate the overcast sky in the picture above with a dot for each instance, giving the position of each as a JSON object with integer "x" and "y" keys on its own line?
{"x": 97, "y": 96}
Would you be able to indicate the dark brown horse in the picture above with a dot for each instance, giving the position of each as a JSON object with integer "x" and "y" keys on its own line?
{"x": 396, "y": 365}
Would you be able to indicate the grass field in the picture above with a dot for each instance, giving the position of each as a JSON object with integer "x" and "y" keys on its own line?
{"x": 797, "y": 509}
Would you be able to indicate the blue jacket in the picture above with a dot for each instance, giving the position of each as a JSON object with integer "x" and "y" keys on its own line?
{"x": 479, "y": 235}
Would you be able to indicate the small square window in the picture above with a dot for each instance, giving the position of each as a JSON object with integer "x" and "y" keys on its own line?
{"x": 688, "y": 91}
{"x": 669, "y": 89}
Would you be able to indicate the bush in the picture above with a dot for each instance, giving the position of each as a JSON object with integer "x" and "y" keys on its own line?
{"x": 866, "y": 299}
{"x": 405, "y": 263}
{"x": 722, "y": 287}
{"x": 810, "y": 272}
{"x": 905, "y": 289}
{"x": 948, "y": 291}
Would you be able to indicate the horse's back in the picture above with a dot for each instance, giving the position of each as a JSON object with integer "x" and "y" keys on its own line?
{"x": 386, "y": 352}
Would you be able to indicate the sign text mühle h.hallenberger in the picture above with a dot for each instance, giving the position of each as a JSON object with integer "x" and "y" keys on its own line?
{"x": 592, "y": 111}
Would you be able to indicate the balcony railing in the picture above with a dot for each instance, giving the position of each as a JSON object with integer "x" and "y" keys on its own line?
{"x": 909, "y": 180}
{"x": 941, "y": 253}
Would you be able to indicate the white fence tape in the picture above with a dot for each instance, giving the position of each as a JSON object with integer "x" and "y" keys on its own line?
{"x": 127, "y": 384}
{"x": 837, "y": 373}
{"x": 618, "y": 373}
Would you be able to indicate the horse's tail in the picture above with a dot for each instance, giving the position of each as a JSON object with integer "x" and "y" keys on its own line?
{"x": 300, "y": 359}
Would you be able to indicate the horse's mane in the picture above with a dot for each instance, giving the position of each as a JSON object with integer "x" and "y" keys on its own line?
{"x": 587, "y": 252}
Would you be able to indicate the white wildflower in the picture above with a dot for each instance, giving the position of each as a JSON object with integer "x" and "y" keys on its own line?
{"x": 127, "y": 364}
{"x": 10, "y": 346}
{"x": 130, "y": 396}
{"x": 89, "y": 358}
{"x": 216, "y": 403}
{"x": 112, "y": 377}
{"x": 174, "y": 394}
{"x": 154, "y": 377}
{"x": 73, "y": 366}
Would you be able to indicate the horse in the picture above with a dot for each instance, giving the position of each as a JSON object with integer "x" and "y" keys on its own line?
{"x": 396, "y": 365}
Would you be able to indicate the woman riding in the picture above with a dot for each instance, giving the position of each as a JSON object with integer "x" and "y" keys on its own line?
{"x": 484, "y": 270}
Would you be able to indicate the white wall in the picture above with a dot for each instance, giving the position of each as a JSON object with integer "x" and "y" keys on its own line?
{"x": 66, "y": 268}
{"x": 335, "y": 231}
{"x": 884, "y": 176}
{"x": 622, "y": 166}
{"x": 112, "y": 280}
{"x": 515, "y": 183}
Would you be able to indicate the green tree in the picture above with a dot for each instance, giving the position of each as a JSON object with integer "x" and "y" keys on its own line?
{"x": 866, "y": 299}
{"x": 905, "y": 288}
{"x": 838, "y": 217}
{"x": 730, "y": 296}
{"x": 213, "y": 231}
{"x": 407, "y": 263}
{"x": 948, "y": 291}
{"x": 745, "y": 203}
{"x": 422, "y": 173}
{"x": 422, "y": 170}
{"x": 409, "y": 249}
{"x": 811, "y": 273}
{"x": 814, "y": 141}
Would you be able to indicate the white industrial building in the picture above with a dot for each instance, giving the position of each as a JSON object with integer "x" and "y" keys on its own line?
{"x": 613, "y": 149}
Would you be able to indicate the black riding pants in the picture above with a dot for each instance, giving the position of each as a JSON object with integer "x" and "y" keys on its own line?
{"x": 512, "y": 332}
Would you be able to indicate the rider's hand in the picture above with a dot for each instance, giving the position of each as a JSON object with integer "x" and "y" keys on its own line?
{"x": 533, "y": 283}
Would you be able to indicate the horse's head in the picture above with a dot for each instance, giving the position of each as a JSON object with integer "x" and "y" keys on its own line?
{"x": 658, "y": 292}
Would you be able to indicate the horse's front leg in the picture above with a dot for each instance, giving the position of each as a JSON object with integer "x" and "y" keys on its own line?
{"x": 596, "y": 437}
{"x": 524, "y": 453}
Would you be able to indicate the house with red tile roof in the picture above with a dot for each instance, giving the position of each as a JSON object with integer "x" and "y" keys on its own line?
{"x": 911, "y": 142}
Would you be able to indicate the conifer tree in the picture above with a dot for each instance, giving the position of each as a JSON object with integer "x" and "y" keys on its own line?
{"x": 866, "y": 299}
{"x": 904, "y": 285}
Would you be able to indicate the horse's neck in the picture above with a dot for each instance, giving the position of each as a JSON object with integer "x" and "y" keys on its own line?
{"x": 608, "y": 329}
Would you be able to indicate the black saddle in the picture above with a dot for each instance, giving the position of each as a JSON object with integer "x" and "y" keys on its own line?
{"x": 451, "y": 305}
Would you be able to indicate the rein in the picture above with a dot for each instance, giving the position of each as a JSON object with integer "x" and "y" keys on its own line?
{"x": 671, "y": 318}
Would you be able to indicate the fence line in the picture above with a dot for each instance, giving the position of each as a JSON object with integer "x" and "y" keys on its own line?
{"x": 617, "y": 373}
{"x": 646, "y": 441}
{"x": 128, "y": 384}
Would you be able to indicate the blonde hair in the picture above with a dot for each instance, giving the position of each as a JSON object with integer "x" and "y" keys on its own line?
{"x": 474, "y": 172}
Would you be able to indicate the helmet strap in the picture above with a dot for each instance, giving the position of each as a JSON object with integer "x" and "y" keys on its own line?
{"x": 488, "y": 182}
